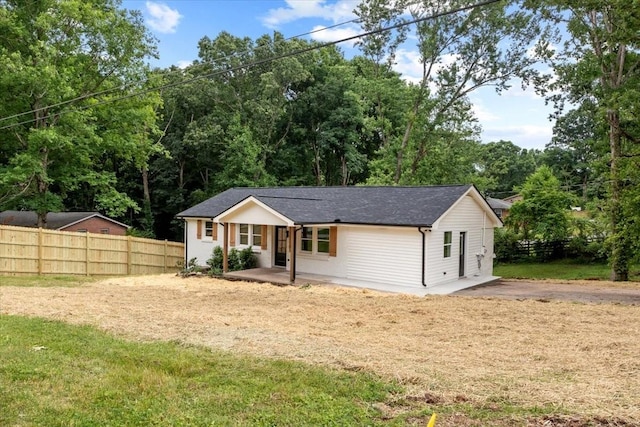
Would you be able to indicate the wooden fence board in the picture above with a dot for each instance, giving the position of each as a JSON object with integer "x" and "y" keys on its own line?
{"x": 27, "y": 251}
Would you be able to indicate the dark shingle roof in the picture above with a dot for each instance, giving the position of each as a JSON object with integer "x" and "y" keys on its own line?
{"x": 55, "y": 220}
{"x": 498, "y": 204}
{"x": 410, "y": 206}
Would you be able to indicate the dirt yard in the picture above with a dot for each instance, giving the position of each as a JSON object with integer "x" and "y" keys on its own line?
{"x": 493, "y": 346}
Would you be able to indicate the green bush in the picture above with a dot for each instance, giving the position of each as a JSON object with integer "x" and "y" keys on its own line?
{"x": 247, "y": 259}
{"x": 238, "y": 260}
{"x": 506, "y": 245}
{"x": 215, "y": 262}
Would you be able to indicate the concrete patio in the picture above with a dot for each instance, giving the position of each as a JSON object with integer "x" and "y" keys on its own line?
{"x": 280, "y": 276}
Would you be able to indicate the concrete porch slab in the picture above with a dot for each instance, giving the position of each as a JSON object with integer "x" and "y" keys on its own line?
{"x": 280, "y": 276}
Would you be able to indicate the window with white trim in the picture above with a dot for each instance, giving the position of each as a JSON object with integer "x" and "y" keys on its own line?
{"x": 306, "y": 239}
{"x": 208, "y": 228}
{"x": 256, "y": 235}
{"x": 244, "y": 234}
{"x": 316, "y": 241}
{"x": 250, "y": 234}
{"x": 323, "y": 240}
{"x": 447, "y": 244}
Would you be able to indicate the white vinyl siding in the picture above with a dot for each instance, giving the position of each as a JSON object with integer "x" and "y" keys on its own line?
{"x": 202, "y": 248}
{"x": 467, "y": 216}
{"x": 385, "y": 255}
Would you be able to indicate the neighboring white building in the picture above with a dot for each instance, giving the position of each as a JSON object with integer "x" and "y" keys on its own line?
{"x": 407, "y": 236}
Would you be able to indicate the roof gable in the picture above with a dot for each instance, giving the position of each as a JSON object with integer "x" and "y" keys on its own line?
{"x": 400, "y": 206}
{"x": 482, "y": 203}
{"x": 253, "y": 211}
{"x": 55, "y": 220}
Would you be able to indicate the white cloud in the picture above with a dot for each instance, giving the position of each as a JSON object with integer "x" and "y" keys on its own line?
{"x": 162, "y": 18}
{"x": 329, "y": 35}
{"x": 524, "y": 136}
{"x": 339, "y": 11}
{"x": 183, "y": 64}
{"x": 482, "y": 112}
{"x": 407, "y": 63}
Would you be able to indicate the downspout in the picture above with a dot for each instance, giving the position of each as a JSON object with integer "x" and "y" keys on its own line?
{"x": 424, "y": 254}
{"x": 484, "y": 219}
{"x": 186, "y": 243}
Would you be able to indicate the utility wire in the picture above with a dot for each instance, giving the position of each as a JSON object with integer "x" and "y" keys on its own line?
{"x": 267, "y": 60}
{"x": 122, "y": 88}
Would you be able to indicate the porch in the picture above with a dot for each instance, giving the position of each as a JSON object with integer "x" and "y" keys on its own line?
{"x": 280, "y": 276}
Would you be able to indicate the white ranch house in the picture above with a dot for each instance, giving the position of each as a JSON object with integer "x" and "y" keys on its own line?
{"x": 405, "y": 236}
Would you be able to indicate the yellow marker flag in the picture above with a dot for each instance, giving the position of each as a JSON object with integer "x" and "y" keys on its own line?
{"x": 432, "y": 421}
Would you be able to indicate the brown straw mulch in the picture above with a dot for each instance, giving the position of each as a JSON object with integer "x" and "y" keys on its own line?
{"x": 582, "y": 358}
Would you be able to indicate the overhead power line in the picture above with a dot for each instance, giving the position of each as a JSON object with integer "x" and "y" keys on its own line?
{"x": 121, "y": 88}
{"x": 262, "y": 61}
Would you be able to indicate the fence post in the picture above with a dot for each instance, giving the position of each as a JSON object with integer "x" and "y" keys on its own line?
{"x": 87, "y": 253}
{"x": 129, "y": 260}
{"x": 164, "y": 266}
{"x": 40, "y": 251}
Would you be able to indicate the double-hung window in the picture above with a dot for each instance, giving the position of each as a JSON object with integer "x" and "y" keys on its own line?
{"x": 244, "y": 234}
{"x": 323, "y": 240}
{"x": 208, "y": 228}
{"x": 251, "y": 234}
{"x": 256, "y": 235}
{"x": 306, "y": 239}
{"x": 317, "y": 241}
{"x": 447, "y": 244}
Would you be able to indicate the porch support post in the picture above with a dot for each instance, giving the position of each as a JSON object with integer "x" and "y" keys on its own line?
{"x": 225, "y": 248}
{"x": 292, "y": 247}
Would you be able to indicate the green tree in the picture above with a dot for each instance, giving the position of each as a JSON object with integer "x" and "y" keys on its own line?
{"x": 52, "y": 51}
{"x": 599, "y": 62}
{"x": 460, "y": 52}
{"x": 543, "y": 212}
{"x": 505, "y": 166}
{"x": 576, "y": 152}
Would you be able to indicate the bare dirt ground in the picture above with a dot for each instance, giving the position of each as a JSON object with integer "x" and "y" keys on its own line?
{"x": 513, "y": 342}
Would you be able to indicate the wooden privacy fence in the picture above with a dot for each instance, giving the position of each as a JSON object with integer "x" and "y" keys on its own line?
{"x": 25, "y": 251}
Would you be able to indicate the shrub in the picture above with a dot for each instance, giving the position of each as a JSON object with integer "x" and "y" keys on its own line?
{"x": 215, "y": 262}
{"x": 506, "y": 246}
{"x": 191, "y": 267}
{"x": 238, "y": 260}
{"x": 247, "y": 259}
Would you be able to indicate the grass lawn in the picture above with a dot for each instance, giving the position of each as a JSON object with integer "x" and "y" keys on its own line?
{"x": 46, "y": 281}
{"x": 562, "y": 269}
{"x": 56, "y": 374}
{"x": 367, "y": 359}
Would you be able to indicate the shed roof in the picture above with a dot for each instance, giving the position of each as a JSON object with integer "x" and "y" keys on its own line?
{"x": 55, "y": 220}
{"x": 405, "y": 206}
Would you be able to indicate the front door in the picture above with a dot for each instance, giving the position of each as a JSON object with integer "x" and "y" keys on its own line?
{"x": 463, "y": 241}
{"x": 281, "y": 246}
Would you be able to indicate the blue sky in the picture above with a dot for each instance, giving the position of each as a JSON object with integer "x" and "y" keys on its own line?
{"x": 516, "y": 115}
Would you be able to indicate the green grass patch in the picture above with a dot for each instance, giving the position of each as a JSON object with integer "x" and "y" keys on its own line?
{"x": 56, "y": 374}
{"x": 562, "y": 269}
{"x": 46, "y": 281}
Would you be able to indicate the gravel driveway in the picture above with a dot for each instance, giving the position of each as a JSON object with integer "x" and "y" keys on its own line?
{"x": 545, "y": 290}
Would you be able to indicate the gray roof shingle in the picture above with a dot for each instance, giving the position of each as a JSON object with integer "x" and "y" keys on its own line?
{"x": 405, "y": 206}
{"x": 55, "y": 220}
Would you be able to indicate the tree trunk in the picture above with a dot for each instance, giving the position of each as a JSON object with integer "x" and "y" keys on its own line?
{"x": 145, "y": 184}
{"x": 620, "y": 249}
{"x": 405, "y": 141}
{"x": 345, "y": 171}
